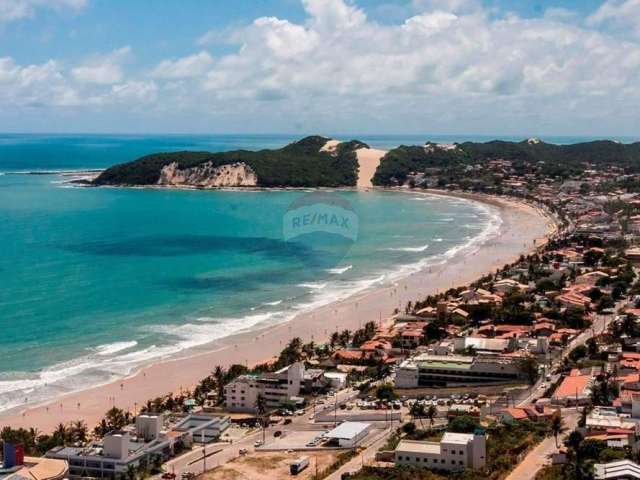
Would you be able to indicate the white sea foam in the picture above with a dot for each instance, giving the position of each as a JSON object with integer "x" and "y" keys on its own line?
{"x": 273, "y": 304}
{"x": 339, "y": 270}
{"x": 313, "y": 285}
{"x": 421, "y": 248}
{"x": 108, "y": 362}
{"x": 111, "y": 348}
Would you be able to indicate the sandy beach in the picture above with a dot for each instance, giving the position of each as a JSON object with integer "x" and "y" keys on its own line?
{"x": 523, "y": 227}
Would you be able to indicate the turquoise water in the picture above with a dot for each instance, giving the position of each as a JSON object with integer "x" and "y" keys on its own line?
{"x": 96, "y": 282}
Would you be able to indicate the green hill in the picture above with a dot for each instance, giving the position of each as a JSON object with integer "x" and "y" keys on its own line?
{"x": 552, "y": 160}
{"x": 299, "y": 164}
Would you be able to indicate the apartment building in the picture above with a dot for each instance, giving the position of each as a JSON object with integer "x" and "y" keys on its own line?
{"x": 277, "y": 389}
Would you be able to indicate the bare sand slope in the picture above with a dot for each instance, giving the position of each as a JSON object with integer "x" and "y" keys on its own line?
{"x": 368, "y": 159}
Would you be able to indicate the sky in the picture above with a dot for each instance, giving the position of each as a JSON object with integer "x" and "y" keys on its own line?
{"x": 492, "y": 67}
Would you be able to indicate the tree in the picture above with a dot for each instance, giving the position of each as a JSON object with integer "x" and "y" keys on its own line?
{"x": 334, "y": 340}
{"x": 409, "y": 428}
{"x": 556, "y": 427}
{"x": 528, "y": 368}
{"x": 386, "y": 392}
{"x": 463, "y": 424}
{"x": 417, "y": 411}
{"x": 431, "y": 413}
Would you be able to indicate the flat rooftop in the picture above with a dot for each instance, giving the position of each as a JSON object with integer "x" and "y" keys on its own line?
{"x": 348, "y": 430}
{"x": 415, "y": 446}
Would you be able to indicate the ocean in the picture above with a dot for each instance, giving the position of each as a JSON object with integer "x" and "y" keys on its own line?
{"x": 97, "y": 282}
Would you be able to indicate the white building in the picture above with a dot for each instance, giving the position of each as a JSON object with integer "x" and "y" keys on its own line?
{"x": 277, "y": 389}
{"x": 450, "y": 370}
{"x": 620, "y": 470}
{"x": 456, "y": 451}
{"x": 337, "y": 380}
{"x": 349, "y": 434}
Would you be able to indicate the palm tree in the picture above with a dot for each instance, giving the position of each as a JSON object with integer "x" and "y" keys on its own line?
{"x": 79, "y": 431}
{"x": 334, "y": 340}
{"x": 61, "y": 434}
{"x": 218, "y": 375}
{"x": 431, "y": 413}
{"x": 261, "y": 408}
{"x": 557, "y": 427}
{"x": 417, "y": 411}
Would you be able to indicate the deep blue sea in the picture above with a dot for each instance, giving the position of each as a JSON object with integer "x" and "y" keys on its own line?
{"x": 96, "y": 282}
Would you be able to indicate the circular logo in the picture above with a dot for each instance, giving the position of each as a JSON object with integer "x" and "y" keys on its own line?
{"x": 323, "y": 224}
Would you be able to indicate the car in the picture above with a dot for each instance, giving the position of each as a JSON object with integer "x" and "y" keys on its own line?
{"x": 168, "y": 476}
{"x": 299, "y": 412}
{"x": 188, "y": 475}
{"x": 258, "y": 443}
{"x": 243, "y": 451}
{"x": 287, "y": 421}
{"x": 277, "y": 433}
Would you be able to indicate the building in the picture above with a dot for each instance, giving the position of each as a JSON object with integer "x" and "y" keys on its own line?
{"x": 485, "y": 345}
{"x": 620, "y": 470}
{"x": 113, "y": 457}
{"x": 349, "y": 434}
{"x": 455, "y": 452}
{"x": 278, "y": 389}
{"x": 448, "y": 370}
{"x": 204, "y": 428}
{"x": 36, "y": 468}
{"x": 337, "y": 380}
{"x": 575, "y": 389}
{"x": 145, "y": 444}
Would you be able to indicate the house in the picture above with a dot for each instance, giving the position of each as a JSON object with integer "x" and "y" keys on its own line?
{"x": 575, "y": 389}
{"x": 455, "y": 452}
{"x": 508, "y": 285}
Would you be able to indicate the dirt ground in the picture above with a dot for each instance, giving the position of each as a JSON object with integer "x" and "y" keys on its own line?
{"x": 269, "y": 466}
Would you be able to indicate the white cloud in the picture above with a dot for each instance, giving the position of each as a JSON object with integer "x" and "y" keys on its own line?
{"x": 11, "y": 10}
{"x": 190, "y": 66}
{"x": 135, "y": 91}
{"x": 103, "y": 69}
{"x": 34, "y": 85}
{"x": 450, "y": 66}
{"x": 619, "y": 14}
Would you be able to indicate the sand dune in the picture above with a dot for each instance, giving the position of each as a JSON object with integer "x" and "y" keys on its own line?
{"x": 369, "y": 159}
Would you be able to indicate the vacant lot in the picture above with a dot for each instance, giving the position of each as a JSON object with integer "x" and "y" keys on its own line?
{"x": 268, "y": 466}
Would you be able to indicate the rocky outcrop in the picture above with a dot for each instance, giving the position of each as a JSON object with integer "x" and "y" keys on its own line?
{"x": 206, "y": 175}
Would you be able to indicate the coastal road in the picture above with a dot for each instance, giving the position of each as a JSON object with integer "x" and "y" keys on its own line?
{"x": 222, "y": 452}
{"x": 540, "y": 455}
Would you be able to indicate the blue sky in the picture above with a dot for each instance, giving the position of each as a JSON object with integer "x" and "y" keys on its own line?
{"x": 376, "y": 66}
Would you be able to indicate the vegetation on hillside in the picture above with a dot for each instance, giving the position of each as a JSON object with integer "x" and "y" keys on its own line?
{"x": 299, "y": 164}
{"x": 550, "y": 160}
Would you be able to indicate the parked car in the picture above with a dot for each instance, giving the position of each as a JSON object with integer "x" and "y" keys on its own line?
{"x": 243, "y": 451}
{"x": 258, "y": 443}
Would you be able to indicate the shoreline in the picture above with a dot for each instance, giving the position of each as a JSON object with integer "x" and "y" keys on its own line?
{"x": 522, "y": 227}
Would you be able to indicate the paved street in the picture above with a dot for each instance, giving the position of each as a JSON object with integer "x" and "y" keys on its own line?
{"x": 540, "y": 456}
